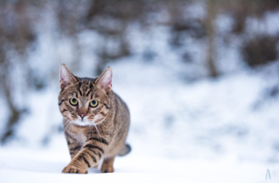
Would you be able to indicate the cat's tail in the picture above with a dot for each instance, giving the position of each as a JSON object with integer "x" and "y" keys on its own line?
{"x": 125, "y": 150}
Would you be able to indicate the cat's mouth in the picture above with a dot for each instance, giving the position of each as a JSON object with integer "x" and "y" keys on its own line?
{"x": 82, "y": 122}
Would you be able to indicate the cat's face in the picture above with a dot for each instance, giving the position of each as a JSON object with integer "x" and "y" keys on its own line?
{"x": 84, "y": 101}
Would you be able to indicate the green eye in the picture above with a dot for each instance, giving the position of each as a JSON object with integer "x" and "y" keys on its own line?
{"x": 73, "y": 101}
{"x": 93, "y": 103}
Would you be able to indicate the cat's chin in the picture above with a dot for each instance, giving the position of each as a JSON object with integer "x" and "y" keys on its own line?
{"x": 81, "y": 123}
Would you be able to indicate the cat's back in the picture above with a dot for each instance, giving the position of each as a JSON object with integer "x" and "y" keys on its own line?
{"x": 121, "y": 110}
{"x": 121, "y": 121}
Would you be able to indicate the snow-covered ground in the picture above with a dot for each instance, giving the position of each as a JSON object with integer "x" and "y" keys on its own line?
{"x": 44, "y": 165}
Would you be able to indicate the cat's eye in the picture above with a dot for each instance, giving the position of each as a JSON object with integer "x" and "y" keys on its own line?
{"x": 93, "y": 103}
{"x": 73, "y": 101}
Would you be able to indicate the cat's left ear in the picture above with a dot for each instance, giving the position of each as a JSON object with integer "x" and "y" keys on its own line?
{"x": 104, "y": 81}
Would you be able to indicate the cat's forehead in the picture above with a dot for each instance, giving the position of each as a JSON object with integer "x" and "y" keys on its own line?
{"x": 83, "y": 88}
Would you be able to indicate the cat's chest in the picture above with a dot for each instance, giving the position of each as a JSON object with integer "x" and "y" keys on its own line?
{"x": 81, "y": 138}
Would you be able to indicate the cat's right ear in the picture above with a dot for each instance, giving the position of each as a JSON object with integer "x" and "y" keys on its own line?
{"x": 66, "y": 77}
{"x": 104, "y": 81}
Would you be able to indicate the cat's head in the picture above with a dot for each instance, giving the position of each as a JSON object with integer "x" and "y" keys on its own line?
{"x": 84, "y": 101}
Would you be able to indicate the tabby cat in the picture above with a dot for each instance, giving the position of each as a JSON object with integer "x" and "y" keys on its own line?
{"x": 96, "y": 121}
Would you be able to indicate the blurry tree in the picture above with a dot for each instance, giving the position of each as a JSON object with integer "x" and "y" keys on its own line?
{"x": 260, "y": 50}
{"x": 212, "y": 11}
{"x": 256, "y": 49}
{"x": 111, "y": 19}
{"x": 16, "y": 34}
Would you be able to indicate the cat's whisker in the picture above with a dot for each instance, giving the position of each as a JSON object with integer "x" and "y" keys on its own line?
{"x": 97, "y": 131}
{"x": 66, "y": 125}
{"x": 102, "y": 125}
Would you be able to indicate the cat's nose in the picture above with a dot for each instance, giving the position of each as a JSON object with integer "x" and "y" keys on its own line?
{"x": 82, "y": 115}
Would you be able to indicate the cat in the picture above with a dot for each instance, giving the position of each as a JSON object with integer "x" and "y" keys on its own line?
{"x": 96, "y": 121}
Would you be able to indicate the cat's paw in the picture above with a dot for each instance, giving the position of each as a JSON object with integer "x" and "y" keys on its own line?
{"x": 73, "y": 169}
{"x": 107, "y": 169}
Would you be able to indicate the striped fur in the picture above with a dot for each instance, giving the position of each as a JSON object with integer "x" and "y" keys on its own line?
{"x": 102, "y": 132}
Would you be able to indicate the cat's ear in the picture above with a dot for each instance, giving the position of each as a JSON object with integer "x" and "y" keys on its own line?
{"x": 66, "y": 77}
{"x": 104, "y": 81}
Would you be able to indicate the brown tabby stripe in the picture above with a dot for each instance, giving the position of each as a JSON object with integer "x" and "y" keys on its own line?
{"x": 79, "y": 85}
{"x": 98, "y": 110}
{"x": 75, "y": 148}
{"x": 89, "y": 146}
{"x": 68, "y": 135}
{"x": 99, "y": 154}
{"x": 102, "y": 113}
{"x": 63, "y": 100}
{"x": 69, "y": 143}
{"x": 85, "y": 160}
{"x": 70, "y": 108}
{"x": 106, "y": 106}
{"x": 92, "y": 151}
{"x": 100, "y": 139}
{"x": 92, "y": 157}
{"x": 64, "y": 110}
{"x": 88, "y": 93}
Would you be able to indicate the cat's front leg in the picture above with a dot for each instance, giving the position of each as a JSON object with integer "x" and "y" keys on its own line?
{"x": 73, "y": 145}
{"x": 88, "y": 156}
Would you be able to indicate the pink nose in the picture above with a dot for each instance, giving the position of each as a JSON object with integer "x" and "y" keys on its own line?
{"x": 82, "y": 115}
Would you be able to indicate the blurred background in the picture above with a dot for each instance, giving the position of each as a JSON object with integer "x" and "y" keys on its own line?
{"x": 201, "y": 77}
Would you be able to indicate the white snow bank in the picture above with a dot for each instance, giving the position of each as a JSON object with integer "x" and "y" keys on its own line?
{"x": 45, "y": 165}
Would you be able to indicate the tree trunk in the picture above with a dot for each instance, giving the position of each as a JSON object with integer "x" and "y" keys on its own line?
{"x": 210, "y": 30}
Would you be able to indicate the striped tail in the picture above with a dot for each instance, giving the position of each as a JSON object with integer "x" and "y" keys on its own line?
{"x": 125, "y": 150}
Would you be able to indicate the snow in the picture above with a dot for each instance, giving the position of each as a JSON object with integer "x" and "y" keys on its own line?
{"x": 41, "y": 165}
